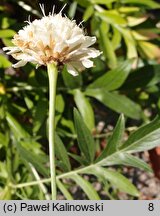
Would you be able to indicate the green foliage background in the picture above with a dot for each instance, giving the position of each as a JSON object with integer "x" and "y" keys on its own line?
{"x": 125, "y": 80}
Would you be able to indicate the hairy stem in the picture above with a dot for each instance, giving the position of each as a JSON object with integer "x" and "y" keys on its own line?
{"x": 52, "y": 74}
{"x": 61, "y": 176}
{"x": 41, "y": 185}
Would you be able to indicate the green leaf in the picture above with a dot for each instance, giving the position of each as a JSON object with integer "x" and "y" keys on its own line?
{"x": 72, "y": 9}
{"x": 31, "y": 145}
{"x": 7, "y": 41}
{"x": 149, "y": 3}
{"x": 61, "y": 153}
{"x": 116, "y": 102}
{"x": 95, "y": 24}
{"x": 85, "y": 139}
{"x": 123, "y": 158}
{"x": 36, "y": 160}
{"x": 6, "y": 193}
{"x": 145, "y": 138}
{"x": 59, "y": 107}
{"x": 16, "y": 128}
{"x": 40, "y": 114}
{"x": 22, "y": 136}
{"x": 116, "y": 179}
{"x": 85, "y": 108}
{"x": 70, "y": 81}
{"x": 116, "y": 38}
{"x": 134, "y": 21}
{"x": 99, "y": 66}
{"x": 83, "y": 3}
{"x": 88, "y": 13}
{"x": 111, "y": 17}
{"x": 102, "y": 1}
{"x": 4, "y": 62}
{"x": 86, "y": 187}
{"x": 7, "y": 33}
{"x": 113, "y": 79}
{"x": 78, "y": 158}
{"x": 64, "y": 190}
{"x": 115, "y": 140}
{"x": 130, "y": 43}
{"x": 67, "y": 123}
{"x": 136, "y": 79}
{"x": 59, "y": 104}
{"x": 18, "y": 108}
{"x": 128, "y": 9}
{"x": 7, "y": 22}
{"x": 28, "y": 101}
{"x": 130, "y": 160}
{"x": 106, "y": 46}
{"x": 4, "y": 139}
{"x": 149, "y": 50}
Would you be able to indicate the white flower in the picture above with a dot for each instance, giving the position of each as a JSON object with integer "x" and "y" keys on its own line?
{"x": 53, "y": 39}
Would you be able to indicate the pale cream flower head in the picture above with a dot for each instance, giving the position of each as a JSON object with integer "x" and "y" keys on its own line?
{"x": 53, "y": 38}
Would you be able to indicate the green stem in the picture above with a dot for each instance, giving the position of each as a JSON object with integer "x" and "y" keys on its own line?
{"x": 61, "y": 176}
{"x": 52, "y": 74}
{"x": 42, "y": 187}
{"x": 83, "y": 170}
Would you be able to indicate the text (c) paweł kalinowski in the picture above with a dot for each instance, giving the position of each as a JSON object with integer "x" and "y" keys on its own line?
{"x": 60, "y": 207}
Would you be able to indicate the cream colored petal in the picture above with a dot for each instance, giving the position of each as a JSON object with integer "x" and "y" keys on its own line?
{"x": 74, "y": 42}
{"x": 84, "y": 53}
{"x": 87, "y": 63}
{"x": 72, "y": 70}
{"x": 25, "y": 57}
{"x": 93, "y": 53}
{"x": 7, "y": 48}
{"x": 88, "y": 41}
{"x": 78, "y": 65}
{"x": 11, "y": 50}
{"x": 19, "y": 64}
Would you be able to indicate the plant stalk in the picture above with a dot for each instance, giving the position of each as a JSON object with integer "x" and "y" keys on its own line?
{"x": 61, "y": 176}
{"x": 52, "y": 74}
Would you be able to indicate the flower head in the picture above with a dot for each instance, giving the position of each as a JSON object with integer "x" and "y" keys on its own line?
{"x": 53, "y": 38}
